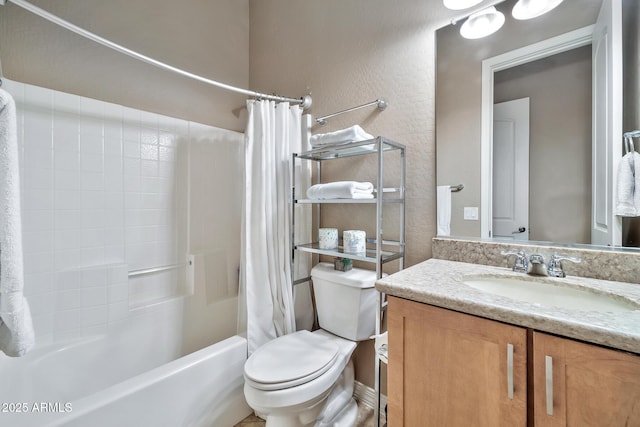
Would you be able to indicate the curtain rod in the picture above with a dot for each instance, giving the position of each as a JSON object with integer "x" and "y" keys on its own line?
{"x": 381, "y": 103}
{"x": 305, "y": 102}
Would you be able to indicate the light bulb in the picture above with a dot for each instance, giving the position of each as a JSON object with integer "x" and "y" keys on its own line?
{"x": 529, "y": 9}
{"x": 460, "y": 4}
{"x": 482, "y": 24}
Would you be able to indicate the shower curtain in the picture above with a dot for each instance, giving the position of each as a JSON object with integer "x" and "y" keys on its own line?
{"x": 266, "y": 308}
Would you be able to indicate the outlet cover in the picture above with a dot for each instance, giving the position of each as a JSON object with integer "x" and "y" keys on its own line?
{"x": 471, "y": 213}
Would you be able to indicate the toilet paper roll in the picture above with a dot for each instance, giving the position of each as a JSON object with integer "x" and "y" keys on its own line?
{"x": 381, "y": 346}
{"x": 328, "y": 238}
{"x": 354, "y": 241}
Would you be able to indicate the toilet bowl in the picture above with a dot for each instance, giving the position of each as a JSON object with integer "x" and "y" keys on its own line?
{"x": 283, "y": 393}
{"x": 307, "y": 378}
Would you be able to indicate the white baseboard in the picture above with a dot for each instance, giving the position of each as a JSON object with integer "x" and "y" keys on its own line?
{"x": 367, "y": 396}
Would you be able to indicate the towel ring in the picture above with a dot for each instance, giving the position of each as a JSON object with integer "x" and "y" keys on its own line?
{"x": 629, "y": 145}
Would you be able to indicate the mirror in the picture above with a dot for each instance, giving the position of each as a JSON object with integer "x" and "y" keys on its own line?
{"x": 559, "y": 173}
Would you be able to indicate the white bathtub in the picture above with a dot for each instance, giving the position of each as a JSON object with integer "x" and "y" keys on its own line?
{"x": 203, "y": 388}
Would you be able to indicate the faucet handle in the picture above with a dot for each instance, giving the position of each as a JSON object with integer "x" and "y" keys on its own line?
{"x": 555, "y": 264}
{"x": 522, "y": 262}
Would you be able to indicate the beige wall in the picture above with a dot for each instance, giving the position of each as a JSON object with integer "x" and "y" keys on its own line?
{"x": 350, "y": 53}
{"x": 459, "y": 91}
{"x": 559, "y": 89}
{"x": 210, "y": 38}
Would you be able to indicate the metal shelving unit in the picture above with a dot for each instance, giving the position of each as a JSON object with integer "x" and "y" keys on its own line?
{"x": 379, "y": 251}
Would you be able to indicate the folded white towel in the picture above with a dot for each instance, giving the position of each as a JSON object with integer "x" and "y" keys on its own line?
{"x": 16, "y": 327}
{"x": 443, "y": 208}
{"x": 628, "y": 191}
{"x": 341, "y": 190}
{"x": 351, "y": 134}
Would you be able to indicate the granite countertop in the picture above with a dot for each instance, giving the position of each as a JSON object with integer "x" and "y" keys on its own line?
{"x": 440, "y": 283}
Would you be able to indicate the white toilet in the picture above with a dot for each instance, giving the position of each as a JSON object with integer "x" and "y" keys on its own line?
{"x": 306, "y": 378}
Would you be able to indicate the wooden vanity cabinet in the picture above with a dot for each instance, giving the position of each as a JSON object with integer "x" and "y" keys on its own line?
{"x": 588, "y": 385}
{"x": 452, "y": 369}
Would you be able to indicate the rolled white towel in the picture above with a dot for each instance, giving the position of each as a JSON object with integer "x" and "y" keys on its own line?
{"x": 341, "y": 190}
{"x": 343, "y": 136}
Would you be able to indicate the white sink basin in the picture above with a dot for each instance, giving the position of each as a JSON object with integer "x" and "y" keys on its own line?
{"x": 542, "y": 291}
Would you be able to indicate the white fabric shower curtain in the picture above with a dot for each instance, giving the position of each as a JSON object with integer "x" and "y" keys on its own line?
{"x": 266, "y": 307}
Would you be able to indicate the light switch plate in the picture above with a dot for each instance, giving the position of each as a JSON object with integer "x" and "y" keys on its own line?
{"x": 471, "y": 213}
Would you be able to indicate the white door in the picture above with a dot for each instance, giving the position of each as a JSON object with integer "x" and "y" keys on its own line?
{"x": 511, "y": 169}
{"x": 606, "y": 228}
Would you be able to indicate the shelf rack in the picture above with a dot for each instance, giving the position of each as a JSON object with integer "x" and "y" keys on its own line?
{"x": 379, "y": 250}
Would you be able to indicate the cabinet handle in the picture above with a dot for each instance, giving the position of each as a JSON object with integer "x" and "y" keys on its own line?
{"x": 548, "y": 361}
{"x": 510, "y": 370}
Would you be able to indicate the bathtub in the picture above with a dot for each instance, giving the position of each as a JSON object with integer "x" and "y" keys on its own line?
{"x": 201, "y": 389}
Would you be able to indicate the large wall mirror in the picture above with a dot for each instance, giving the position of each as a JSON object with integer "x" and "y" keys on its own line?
{"x": 552, "y": 96}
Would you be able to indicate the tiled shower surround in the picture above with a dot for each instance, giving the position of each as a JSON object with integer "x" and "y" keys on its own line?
{"x": 107, "y": 190}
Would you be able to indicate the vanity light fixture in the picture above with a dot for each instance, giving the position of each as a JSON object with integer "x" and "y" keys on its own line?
{"x": 482, "y": 24}
{"x": 529, "y": 9}
{"x": 460, "y": 4}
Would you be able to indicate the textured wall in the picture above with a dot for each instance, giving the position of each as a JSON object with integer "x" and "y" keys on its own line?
{"x": 349, "y": 53}
{"x": 206, "y": 38}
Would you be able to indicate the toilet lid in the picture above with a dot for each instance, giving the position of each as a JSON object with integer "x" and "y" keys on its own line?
{"x": 290, "y": 360}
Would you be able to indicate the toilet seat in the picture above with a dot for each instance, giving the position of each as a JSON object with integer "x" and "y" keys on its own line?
{"x": 290, "y": 360}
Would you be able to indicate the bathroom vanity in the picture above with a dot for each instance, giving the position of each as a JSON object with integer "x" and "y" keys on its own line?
{"x": 459, "y": 354}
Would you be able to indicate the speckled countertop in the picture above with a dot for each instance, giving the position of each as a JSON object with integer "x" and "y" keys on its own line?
{"x": 440, "y": 283}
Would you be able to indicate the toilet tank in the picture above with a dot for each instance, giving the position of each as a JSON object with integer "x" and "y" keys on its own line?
{"x": 345, "y": 300}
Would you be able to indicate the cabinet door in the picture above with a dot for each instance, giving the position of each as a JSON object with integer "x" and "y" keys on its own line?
{"x": 587, "y": 385}
{"x": 452, "y": 369}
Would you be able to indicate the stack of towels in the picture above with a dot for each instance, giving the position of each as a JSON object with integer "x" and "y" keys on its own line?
{"x": 341, "y": 190}
{"x": 628, "y": 191}
{"x": 344, "y": 136}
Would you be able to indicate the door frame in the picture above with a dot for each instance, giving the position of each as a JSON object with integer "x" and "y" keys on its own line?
{"x": 554, "y": 45}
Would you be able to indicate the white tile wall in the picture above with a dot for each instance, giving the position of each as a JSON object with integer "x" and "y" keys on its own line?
{"x": 105, "y": 191}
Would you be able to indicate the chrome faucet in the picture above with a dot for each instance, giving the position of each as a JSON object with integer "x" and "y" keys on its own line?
{"x": 554, "y": 268}
{"x": 521, "y": 264}
{"x": 537, "y": 265}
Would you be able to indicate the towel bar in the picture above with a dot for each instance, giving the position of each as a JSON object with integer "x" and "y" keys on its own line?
{"x": 380, "y": 103}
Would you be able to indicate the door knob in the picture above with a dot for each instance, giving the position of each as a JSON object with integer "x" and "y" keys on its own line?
{"x": 520, "y": 230}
